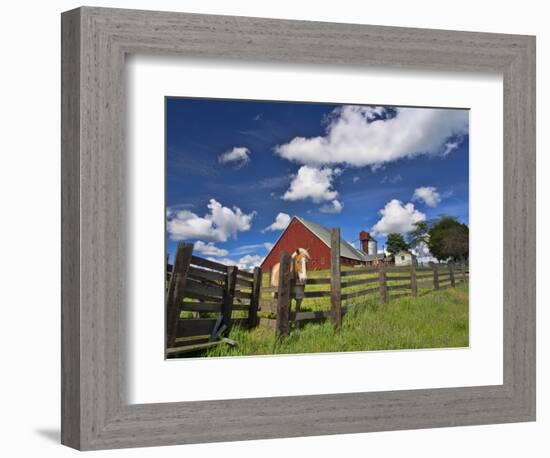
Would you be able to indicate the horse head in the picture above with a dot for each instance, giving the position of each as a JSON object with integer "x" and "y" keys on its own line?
{"x": 299, "y": 264}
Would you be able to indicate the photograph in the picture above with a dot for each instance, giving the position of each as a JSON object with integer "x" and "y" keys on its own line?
{"x": 299, "y": 227}
{"x": 256, "y": 223}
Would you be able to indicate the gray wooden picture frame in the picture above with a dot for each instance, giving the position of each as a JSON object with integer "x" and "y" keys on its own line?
{"x": 95, "y": 411}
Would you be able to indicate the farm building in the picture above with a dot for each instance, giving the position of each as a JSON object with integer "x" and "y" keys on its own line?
{"x": 404, "y": 258}
{"x": 369, "y": 248}
{"x": 301, "y": 233}
{"x": 378, "y": 258}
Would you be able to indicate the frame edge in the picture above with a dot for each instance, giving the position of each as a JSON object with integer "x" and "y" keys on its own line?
{"x": 85, "y": 425}
{"x": 70, "y": 228}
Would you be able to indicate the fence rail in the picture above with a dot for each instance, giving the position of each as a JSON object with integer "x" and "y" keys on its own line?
{"x": 201, "y": 299}
{"x": 204, "y": 298}
{"x": 386, "y": 282}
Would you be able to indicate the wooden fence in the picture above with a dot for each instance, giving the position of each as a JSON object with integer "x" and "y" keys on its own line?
{"x": 384, "y": 282}
{"x": 204, "y": 299}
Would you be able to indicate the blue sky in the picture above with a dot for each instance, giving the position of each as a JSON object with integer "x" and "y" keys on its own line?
{"x": 235, "y": 169}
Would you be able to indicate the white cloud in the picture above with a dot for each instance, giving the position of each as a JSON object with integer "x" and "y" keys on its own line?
{"x": 282, "y": 220}
{"x": 393, "y": 180}
{"x": 428, "y": 195}
{"x": 334, "y": 207}
{"x": 396, "y": 217}
{"x": 312, "y": 183}
{"x": 225, "y": 261}
{"x": 357, "y": 136}
{"x": 209, "y": 249}
{"x": 247, "y": 249}
{"x": 247, "y": 262}
{"x": 171, "y": 211}
{"x": 450, "y": 147}
{"x": 218, "y": 225}
{"x": 238, "y": 155}
{"x": 356, "y": 179}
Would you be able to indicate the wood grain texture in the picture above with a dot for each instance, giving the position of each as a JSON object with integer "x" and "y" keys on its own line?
{"x": 70, "y": 229}
{"x": 96, "y": 414}
{"x": 355, "y": 272}
{"x": 215, "y": 307}
{"x": 283, "y": 295}
{"x": 362, "y": 281}
{"x": 335, "y": 280}
{"x": 255, "y": 300}
{"x": 382, "y": 285}
{"x": 228, "y": 294}
{"x": 176, "y": 291}
{"x": 202, "y": 274}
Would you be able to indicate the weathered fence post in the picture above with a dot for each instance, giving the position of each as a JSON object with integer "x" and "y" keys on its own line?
{"x": 463, "y": 270}
{"x": 414, "y": 286}
{"x": 168, "y": 272}
{"x": 382, "y": 283}
{"x": 452, "y": 274}
{"x": 174, "y": 295}
{"x": 283, "y": 295}
{"x": 255, "y": 299}
{"x": 436, "y": 276}
{"x": 335, "y": 279}
{"x": 228, "y": 296}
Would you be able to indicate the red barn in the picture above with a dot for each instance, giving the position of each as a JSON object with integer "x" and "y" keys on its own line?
{"x": 316, "y": 238}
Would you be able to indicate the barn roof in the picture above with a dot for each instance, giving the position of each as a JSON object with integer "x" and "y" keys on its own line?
{"x": 346, "y": 250}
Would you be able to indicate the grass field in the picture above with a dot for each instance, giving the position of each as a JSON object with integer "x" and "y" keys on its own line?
{"x": 433, "y": 319}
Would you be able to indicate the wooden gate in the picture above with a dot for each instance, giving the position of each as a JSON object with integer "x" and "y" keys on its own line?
{"x": 204, "y": 299}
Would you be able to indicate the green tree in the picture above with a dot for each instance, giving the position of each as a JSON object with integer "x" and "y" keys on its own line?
{"x": 396, "y": 243}
{"x": 448, "y": 238}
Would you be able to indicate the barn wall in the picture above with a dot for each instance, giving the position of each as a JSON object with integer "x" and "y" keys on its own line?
{"x": 297, "y": 236}
{"x": 403, "y": 262}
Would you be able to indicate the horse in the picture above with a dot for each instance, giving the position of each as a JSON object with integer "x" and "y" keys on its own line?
{"x": 298, "y": 274}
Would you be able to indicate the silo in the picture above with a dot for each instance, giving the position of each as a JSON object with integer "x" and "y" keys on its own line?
{"x": 372, "y": 247}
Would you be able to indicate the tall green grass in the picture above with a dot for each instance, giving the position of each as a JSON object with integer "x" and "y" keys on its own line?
{"x": 435, "y": 319}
